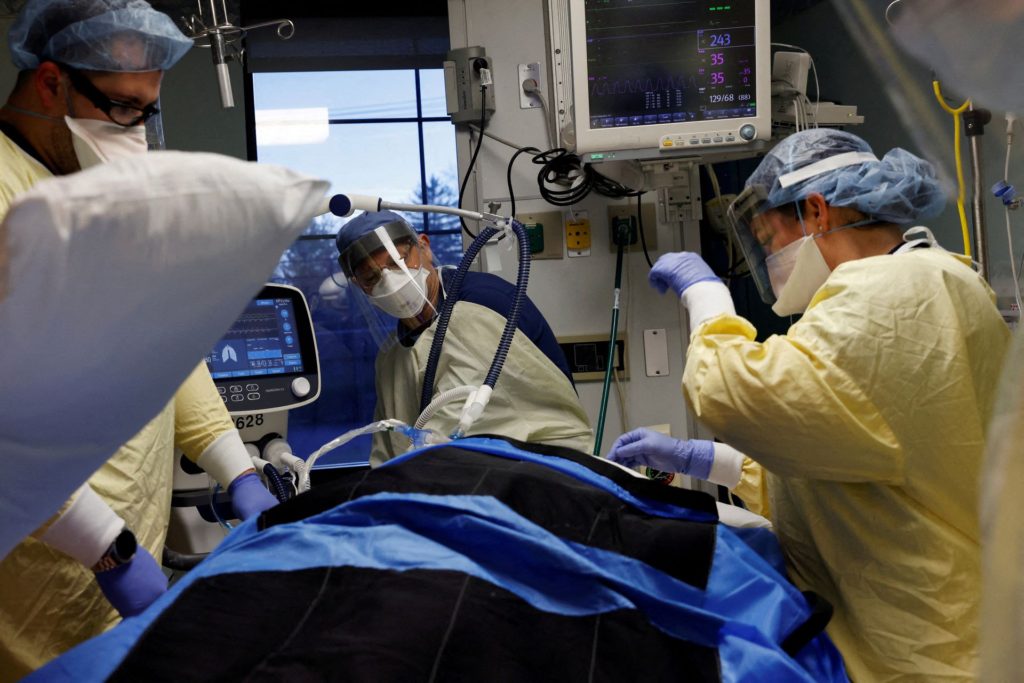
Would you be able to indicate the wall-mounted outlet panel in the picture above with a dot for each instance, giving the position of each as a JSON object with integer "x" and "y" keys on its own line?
{"x": 650, "y": 215}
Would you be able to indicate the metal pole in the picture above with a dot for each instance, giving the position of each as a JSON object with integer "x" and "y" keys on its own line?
{"x": 975, "y": 120}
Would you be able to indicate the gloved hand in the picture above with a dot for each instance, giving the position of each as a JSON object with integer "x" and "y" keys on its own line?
{"x": 133, "y": 587}
{"x": 646, "y": 447}
{"x": 679, "y": 270}
{"x": 249, "y": 496}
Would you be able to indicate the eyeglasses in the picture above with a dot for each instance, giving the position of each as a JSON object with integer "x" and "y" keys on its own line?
{"x": 121, "y": 113}
{"x": 368, "y": 273}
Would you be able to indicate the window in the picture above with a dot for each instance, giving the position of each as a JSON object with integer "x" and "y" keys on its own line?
{"x": 383, "y": 133}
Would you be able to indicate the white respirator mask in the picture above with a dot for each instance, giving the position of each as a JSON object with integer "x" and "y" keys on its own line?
{"x": 401, "y": 294}
{"x": 796, "y": 272}
{"x": 98, "y": 142}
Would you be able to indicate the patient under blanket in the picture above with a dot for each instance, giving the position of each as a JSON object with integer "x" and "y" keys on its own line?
{"x": 478, "y": 560}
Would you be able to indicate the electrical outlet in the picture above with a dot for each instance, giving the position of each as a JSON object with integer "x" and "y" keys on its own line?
{"x": 545, "y": 230}
{"x": 587, "y": 356}
{"x": 628, "y": 212}
{"x": 526, "y": 71}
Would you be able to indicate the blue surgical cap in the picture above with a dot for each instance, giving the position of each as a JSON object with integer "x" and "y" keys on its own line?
{"x": 900, "y": 188}
{"x": 96, "y": 35}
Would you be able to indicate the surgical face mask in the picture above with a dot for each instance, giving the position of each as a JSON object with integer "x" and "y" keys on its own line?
{"x": 796, "y": 272}
{"x": 97, "y": 141}
{"x": 400, "y": 295}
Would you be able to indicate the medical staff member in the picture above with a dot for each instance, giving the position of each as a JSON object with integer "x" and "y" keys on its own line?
{"x": 967, "y": 45}
{"x": 89, "y": 77}
{"x": 391, "y": 268}
{"x": 868, "y": 415}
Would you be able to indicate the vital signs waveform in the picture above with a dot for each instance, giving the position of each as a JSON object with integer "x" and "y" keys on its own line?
{"x": 632, "y": 86}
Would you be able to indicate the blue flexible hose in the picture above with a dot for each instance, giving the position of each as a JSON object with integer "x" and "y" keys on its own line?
{"x": 454, "y": 285}
{"x": 277, "y": 485}
{"x": 512, "y": 319}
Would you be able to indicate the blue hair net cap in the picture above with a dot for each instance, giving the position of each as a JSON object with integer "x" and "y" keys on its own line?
{"x": 900, "y": 188}
{"x": 363, "y": 224}
{"x": 96, "y": 35}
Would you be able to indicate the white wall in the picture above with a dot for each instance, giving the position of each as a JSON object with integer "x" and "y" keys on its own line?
{"x": 575, "y": 295}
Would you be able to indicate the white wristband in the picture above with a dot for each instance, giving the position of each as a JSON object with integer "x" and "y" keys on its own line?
{"x": 705, "y": 300}
{"x": 727, "y": 467}
{"x": 86, "y": 529}
{"x": 225, "y": 458}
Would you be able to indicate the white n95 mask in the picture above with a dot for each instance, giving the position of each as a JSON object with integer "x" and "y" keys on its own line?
{"x": 98, "y": 142}
{"x": 796, "y": 272}
{"x": 401, "y": 294}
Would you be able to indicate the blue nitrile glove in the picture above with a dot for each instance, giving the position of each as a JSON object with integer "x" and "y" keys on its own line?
{"x": 134, "y": 586}
{"x": 249, "y": 496}
{"x": 646, "y": 447}
{"x": 679, "y": 270}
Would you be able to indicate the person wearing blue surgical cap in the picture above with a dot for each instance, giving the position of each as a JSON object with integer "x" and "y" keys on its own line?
{"x": 867, "y": 418}
{"x": 89, "y": 77}
{"x": 393, "y": 278}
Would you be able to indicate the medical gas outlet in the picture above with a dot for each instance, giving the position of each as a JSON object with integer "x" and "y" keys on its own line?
{"x": 577, "y": 234}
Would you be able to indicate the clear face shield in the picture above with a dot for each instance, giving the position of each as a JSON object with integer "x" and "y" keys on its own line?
{"x": 754, "y": 224}
{"x": 391, "y": 277}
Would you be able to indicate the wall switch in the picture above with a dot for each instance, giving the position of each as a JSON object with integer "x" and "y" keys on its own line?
{"x": 656, "y": 352}
{"x": 577, "y": 234}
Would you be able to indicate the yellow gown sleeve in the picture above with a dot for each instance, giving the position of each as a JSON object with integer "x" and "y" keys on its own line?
{"x": 753, "y": 488}
{"x": 786, "y": 402}
{"x": 199, "y": 414}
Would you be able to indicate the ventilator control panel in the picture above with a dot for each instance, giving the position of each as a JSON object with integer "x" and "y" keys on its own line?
{"x": 267, "y": 360}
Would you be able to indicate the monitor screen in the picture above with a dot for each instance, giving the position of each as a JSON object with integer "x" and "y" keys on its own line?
{"x": 263, "y": 341}
{"x": 687, "y": 69}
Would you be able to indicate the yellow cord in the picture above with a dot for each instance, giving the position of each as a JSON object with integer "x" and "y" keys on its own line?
{"x": 961, "y": 193}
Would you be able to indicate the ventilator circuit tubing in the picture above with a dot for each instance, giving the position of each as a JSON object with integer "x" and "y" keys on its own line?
{"x": 599, "y": 433}
{"x": 440, "y": 400}
{"x": 446, "y": 312}
{"x": 372, "y": 428}
{"x": 478, "y": 401}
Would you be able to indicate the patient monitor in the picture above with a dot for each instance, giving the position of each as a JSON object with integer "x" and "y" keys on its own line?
{"x": 671, "y": 77}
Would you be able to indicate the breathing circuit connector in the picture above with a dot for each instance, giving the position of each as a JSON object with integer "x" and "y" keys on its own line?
{"x": 1007, "y": 194}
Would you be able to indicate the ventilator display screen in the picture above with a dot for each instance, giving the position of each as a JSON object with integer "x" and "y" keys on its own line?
{"x": 263, "y": 341}
{"x": 653, "y": 62}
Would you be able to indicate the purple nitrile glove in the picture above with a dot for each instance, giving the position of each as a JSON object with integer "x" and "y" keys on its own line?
{"x": 134, "y": 586}
{"x": 249, "y": 496}
{"x": 646, "y": 447}
{"x": 679, "y": 271}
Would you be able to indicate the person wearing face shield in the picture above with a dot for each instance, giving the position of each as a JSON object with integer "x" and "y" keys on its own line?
{"x": 974, "y": 49}
{"x": 868, "y": 416}
{"x": 89, "y": 78}
{"x": 392, "y": 277}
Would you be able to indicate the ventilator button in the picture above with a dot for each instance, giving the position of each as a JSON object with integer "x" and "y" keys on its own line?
{"x": 236, "y": 398}
{"x": 252, "y": 387}
{"x": 254, "y": 396}
{"x": 300, "y": 386}
{"x": 236, "y": 388}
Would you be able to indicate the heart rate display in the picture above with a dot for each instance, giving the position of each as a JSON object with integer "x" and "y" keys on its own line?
{"x": 663, "y": 62}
